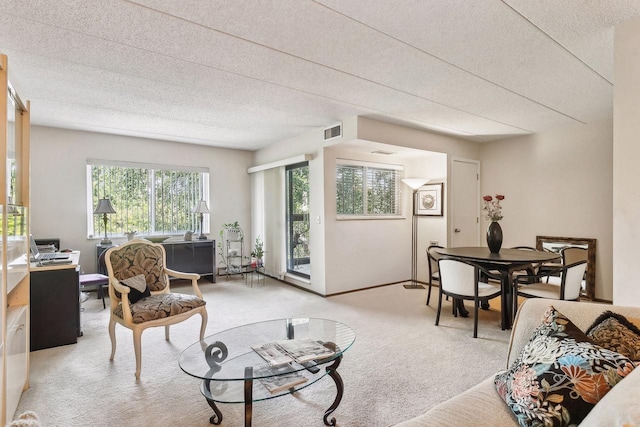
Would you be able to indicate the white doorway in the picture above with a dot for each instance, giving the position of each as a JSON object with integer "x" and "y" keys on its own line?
{"x": 465, "y": 202}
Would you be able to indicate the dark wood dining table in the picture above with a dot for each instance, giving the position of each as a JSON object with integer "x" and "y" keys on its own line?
{"x": 506, "y": 262}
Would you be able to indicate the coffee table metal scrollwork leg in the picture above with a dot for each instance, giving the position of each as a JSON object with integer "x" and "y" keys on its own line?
{"x": 216, "y": 418}
{"x": 333, "y": 373}
{"x": 214, "y": 354}
{"x": 248, "y": 395}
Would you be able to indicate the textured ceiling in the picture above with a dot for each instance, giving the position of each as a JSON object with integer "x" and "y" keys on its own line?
{"x": 246, "y": 73}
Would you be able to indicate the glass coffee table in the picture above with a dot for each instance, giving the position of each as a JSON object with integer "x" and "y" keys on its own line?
{"x": 232, "y": 372}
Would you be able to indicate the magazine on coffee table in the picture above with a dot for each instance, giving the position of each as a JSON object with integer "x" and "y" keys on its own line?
{"x": 279, "y": 378}
{"x": 305, "y": 350}
{"x": 271, "y": 353}
{"x": 301, "y": 351}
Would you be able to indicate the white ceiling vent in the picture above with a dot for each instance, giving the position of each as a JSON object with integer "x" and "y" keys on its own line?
{"x": 333, "y": 132}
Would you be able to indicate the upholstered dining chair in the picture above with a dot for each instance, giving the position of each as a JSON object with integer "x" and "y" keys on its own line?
{"x": 569, "y": 289}
{"x": 140, "y": 294}
{"x": 570, "y": 255}
{"x": 434, "y": 274}
{"x": 532, "y": 270}
{"x": 459, "y": 279}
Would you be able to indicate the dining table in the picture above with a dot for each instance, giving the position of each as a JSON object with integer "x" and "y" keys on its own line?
{"x": 506, "y": 261}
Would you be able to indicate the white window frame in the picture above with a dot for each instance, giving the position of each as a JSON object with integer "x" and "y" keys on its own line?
{"x": 91, "y": 233}
{"x": 359, "y": 163}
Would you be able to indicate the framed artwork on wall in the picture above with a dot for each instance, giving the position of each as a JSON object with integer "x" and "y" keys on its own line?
{"x": 428, "y": 200}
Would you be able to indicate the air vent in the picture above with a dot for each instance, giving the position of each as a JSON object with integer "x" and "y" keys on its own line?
{"x": 386, "y": 153}
{"x": 333, "y": 132}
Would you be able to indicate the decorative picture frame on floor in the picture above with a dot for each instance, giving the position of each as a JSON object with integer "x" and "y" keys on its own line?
{"x": 428, "y": 200}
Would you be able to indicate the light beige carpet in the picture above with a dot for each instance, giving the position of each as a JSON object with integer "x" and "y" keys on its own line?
{"x": 400, "y": 365}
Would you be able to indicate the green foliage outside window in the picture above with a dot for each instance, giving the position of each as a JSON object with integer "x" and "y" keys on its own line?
{"x": 151, "y": 201}
{"x": 380, "y": 186}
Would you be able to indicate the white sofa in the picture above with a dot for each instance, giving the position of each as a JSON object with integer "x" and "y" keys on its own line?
{"x": 482, "y": 406}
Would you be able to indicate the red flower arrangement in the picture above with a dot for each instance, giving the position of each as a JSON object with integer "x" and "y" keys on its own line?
{"x": 492, "y": 207}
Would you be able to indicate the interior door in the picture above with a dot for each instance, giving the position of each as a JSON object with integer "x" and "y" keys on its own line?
{"x": 465, "y": 202}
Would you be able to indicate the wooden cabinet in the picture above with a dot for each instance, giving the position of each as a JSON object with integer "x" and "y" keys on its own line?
{"x": 14, "y": 207}
{"x": 17, "y": 357}
{"x": 197, "y": 256}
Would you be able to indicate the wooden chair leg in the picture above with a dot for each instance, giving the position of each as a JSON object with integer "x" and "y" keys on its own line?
{"x": 112, "y": 335}
{"x": 205, "y": 318}
{"x": 439, "y": 306}
{"x": 476, "y": 305}
{"x": 429, "y": 293}
{"x": 137, "y": 344}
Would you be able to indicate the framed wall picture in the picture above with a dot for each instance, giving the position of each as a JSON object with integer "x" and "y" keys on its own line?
{"x": 428, "y": 201}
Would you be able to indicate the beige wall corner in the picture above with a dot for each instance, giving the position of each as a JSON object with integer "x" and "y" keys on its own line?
{"x": 626, "y": 174}
{"x": 556, "y": 183}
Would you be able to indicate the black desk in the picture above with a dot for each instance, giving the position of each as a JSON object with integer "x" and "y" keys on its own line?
{"x": 55, "y": 304}
{"x": 506, "y": 262}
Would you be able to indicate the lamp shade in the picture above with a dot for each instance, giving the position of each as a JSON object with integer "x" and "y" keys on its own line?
{"x": 104, "y": 207}
{"x": 201, "y": 207}
{"x": 415, "y": 183}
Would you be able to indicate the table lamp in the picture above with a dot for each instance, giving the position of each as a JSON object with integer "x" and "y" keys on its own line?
{"x": 201, "y": 209}
{"x": 104, "y": 207}
{"x": 414, "y": 184}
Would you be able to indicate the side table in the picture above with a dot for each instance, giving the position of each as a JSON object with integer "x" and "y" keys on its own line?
{"x": 252, "y": 270}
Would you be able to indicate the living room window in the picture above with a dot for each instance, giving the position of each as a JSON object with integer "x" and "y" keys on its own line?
{"x": 367, "y": 190}
{"x": 147, "y": 198}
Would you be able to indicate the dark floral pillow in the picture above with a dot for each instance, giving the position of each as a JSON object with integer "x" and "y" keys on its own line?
{"x": 614, "y": 332}
{"x": 559, "y": 375}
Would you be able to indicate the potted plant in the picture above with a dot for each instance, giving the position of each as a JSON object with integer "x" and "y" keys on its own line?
{"x": 258, "y": 251}
{"x": 230, "y": 232}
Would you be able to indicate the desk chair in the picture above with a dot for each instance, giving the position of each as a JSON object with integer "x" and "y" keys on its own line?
{"x": 95, "y": 280}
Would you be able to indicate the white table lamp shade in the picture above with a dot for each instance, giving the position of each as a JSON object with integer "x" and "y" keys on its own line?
{"x": 201, "y": 207}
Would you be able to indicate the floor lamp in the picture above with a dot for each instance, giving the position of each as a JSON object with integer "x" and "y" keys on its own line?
{"x": 414, "y": 184}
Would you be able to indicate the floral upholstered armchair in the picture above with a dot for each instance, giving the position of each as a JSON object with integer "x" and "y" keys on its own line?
{"x": 140, "y": 294}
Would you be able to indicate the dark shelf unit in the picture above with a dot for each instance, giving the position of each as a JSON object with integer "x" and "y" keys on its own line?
{"x": 197, "y": 256}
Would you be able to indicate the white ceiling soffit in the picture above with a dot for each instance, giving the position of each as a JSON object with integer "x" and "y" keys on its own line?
{"x": 244, "y": 74}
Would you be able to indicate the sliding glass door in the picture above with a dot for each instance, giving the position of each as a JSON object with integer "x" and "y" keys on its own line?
{"x": 298, "y": 256}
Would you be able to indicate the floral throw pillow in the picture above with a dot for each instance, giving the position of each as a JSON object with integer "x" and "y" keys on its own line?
{"x": 613, "y": 331}
{"x": 559, "y": 375}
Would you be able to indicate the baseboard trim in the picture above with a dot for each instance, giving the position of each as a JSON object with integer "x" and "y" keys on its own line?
{"x": 344, "y": 292}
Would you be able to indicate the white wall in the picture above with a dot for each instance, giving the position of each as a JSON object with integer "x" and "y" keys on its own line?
{"x": 556, "y": 183}
{"x": 626, "y": 174}
{"x": 430, "y": 228}
{"x": 363, "y": 253}
{"x": 309, "y": 143}
{"x": 383, "y": 246}
{"x": 58, "y": 181}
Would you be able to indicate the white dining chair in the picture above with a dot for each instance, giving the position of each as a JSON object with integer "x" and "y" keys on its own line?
{"x": 569, "y": 289}
{"x": 459, "y": 280}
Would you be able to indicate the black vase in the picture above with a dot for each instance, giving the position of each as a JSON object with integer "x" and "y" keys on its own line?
{"x": 494, "y": 237}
